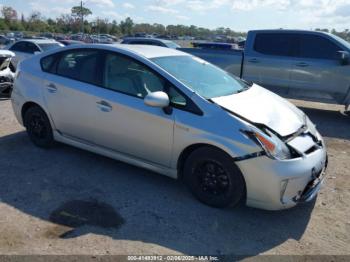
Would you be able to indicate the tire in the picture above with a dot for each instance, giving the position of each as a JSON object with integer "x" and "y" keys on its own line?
{"x": 38, "y": 127}
{"x": 213, "y": 178}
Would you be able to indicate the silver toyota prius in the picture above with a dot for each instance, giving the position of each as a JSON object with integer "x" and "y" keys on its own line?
{"x": 230, "y": 141}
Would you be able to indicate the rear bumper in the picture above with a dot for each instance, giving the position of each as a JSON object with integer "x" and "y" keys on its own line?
{"x": 275, "y": 185}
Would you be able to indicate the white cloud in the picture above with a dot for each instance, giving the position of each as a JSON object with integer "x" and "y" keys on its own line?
{"x": 161, "y": 9}
{"x": 100, "y": 3}
{"x": 113, "y": 15}
{"x": 313, "y": 13}
{"x": 128, "y": 6}
{"x": 182, "y": 17}
{"x": 38, "y": 6}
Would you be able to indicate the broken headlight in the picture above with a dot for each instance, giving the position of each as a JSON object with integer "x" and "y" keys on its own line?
{"x": 274, "y": 147}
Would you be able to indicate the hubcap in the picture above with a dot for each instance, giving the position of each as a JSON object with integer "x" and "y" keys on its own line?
{"x": 212, "y": 178}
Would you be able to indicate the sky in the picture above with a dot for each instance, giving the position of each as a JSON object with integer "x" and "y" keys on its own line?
{"x": 239, "y": 15}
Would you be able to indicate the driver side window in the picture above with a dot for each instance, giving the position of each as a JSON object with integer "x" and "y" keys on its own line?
{"x": 127, "y": 76}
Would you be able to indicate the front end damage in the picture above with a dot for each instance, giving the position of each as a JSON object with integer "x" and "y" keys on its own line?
{"x": 292, "y": 168}
{"x": 7, "y": 73}
{"x": 279, "y": 184}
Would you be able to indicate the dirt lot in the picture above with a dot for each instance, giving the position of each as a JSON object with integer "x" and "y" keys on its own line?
{"x": 52, "y": 201}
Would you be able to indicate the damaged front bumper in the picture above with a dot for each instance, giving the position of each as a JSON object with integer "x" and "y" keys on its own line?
{"x": 313, "y": 187}
{"x": 7, "y": 74}
{"x": 274, "y": 185}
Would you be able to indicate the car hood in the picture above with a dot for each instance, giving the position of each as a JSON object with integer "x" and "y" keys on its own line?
{"x": 6, "y": 53}
{"x": 261, "y": 106}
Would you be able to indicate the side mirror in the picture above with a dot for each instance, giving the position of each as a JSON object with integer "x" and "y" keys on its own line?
{"x": 344, "y": 57}
{"x": 157, "y": 99}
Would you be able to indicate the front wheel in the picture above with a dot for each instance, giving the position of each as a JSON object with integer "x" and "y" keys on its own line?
{"x": 213, "y": 178}
{"x": 38, "y": 127}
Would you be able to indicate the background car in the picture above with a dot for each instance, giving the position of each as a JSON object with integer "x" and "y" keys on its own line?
{"x": 150, "y": 41}
{"x": 70, "y": 42}
{"x": 4, "y": 40}
{"x": 28, "y": 47}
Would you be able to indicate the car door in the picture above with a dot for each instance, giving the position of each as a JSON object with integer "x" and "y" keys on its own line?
{"x": 269, "y": 61}
{"x": 124, "y": 123}
{"x": 317, "y": 73}
{"x": 70, "y": 88}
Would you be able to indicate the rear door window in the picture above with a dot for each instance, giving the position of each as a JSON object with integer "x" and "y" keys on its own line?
{"x": 317, "y": 47}
{"x": 275, "y": 44}
{"x": 80, "y": 65}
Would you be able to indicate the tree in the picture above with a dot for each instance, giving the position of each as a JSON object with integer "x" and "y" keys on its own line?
{"x": 3, "y": 25}
{"x": 80, "y": 11}
{"x": 36, "y": 23}
{"x": 127, "y": 26}
{"x": 9, "y": 14}
{"x": 115, "y": 30}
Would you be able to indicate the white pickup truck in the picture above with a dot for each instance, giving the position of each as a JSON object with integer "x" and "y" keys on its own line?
{"x": 300, "y": 64}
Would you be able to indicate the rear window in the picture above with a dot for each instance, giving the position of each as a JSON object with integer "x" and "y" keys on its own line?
{"x": 47, "y": 47}
{"x": 274, "y": 44}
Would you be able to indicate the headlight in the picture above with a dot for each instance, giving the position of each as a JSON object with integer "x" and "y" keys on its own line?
{"x": 272, "y": 145}
{"x": 311, "y": 127}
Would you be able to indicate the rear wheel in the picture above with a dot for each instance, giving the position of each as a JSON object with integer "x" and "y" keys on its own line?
{"x": 213, "y": 178}
{"x": 38, "y": 127}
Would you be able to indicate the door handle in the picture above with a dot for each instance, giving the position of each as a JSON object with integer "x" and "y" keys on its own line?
{"x": 254, "y": 61}
{"x": 104, "y": 106}
{"x": 52, "y": 88}
{"x": 302, "y": 64}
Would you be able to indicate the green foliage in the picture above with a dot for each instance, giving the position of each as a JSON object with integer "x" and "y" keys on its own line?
{"x": 3, "y": 25}
{"x": 8, "y": 13}
{"x": 80, "y": 11}
{"x": 126, "y": 26}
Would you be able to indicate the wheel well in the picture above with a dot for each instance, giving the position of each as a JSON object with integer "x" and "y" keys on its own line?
{"x": 186, "y": 152}
{"x": 25, "y": 108}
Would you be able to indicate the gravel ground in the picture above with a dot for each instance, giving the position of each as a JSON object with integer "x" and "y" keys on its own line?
{"x": 51, "y": 202}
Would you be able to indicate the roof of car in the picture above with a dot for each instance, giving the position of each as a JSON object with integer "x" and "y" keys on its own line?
{"x": 38, "y": 41}
{"x": 147, "y": 51}
{"x": 146, "y": 39}
{"x": 288, "y": 31}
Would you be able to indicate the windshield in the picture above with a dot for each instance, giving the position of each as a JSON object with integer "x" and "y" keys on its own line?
{"x": 171, "y": 44}
{"x": 342, "y": 41}
{"x": 47, "y": 47}
{"x": 202, "y": 77}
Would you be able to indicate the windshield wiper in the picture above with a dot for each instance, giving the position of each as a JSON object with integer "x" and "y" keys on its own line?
{"x": 243, "y": 89}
